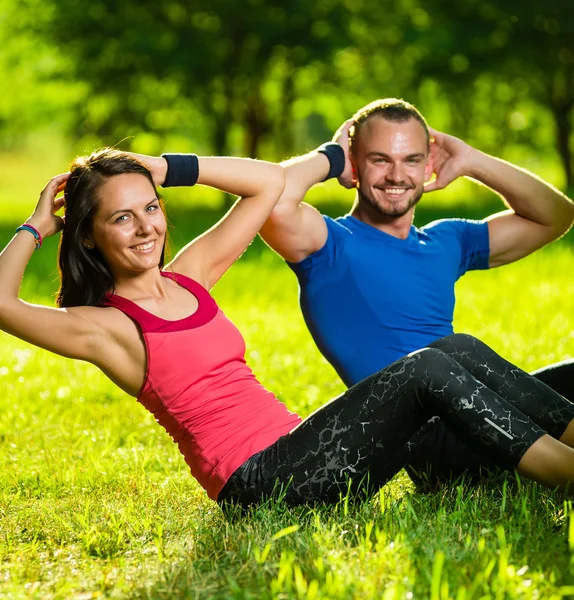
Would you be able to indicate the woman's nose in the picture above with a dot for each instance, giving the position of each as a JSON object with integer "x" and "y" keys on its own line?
{"x": 144, "y": 225}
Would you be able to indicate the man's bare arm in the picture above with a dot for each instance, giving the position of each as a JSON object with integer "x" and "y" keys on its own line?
{"x": 295, "y": 229}
{"x": 538, "y": 213}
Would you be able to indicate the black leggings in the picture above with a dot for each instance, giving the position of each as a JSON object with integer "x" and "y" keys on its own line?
{"x": 439, "y": 454}
{"x": 560, "y": 377}
{"x": 359, "y": 440}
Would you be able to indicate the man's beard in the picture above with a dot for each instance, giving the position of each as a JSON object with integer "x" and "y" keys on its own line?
{"x": 392, "y": 212}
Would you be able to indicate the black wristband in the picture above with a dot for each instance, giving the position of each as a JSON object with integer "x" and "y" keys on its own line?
{"x": 336, "y": 155}
{"x": 182, "y": 170}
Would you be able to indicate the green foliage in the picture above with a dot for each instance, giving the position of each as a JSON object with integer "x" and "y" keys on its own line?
{"x": 518, "y": 53}
{"x": 36, "y": 89}
{"x": 263, "y": 79}
{"x": 163, "y": 68}
{"x": 94, "y": 498}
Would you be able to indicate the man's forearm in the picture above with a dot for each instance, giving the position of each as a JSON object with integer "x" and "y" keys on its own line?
{"x": 301, "y": 174}
{"x": 526, "y": 194}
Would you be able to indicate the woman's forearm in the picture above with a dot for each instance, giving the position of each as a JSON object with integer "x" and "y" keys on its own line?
{"x": 13, "y": 261}
{"x": 239, "y": 176}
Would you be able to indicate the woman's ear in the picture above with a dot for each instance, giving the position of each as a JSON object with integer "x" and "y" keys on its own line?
{"x": 88, "y": 244}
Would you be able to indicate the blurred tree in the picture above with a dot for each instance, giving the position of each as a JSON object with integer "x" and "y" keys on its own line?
{"x": 33, "y": 93}
{"x": 150, "y": 63}
{"x": 262, "y": 76}
{"x": 518, "y": 50}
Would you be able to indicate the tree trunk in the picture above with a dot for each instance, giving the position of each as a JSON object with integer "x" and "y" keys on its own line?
{"x": 562, "y": 105}
{"x": 285, "y": 141}
{"x": 256, "y": 123}
{"x": 221, "y": 120}
{"x": 563, "y": 128}
{"x": 219, "y": 138}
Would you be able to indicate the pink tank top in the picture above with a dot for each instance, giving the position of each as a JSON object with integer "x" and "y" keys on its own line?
{"x": 199, "y": 388}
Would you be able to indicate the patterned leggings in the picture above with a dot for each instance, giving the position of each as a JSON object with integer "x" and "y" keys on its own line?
{"x": 359, "y": 440}
{"x": 560, "y": 377}
{"x": 439, "y": 455}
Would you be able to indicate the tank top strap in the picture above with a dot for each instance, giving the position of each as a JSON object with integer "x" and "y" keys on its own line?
{"x": 132, "y": 310}
{"x": 207, "y": 306}
{"x": 190, "y": 285}
{"x": 150, "y": 323}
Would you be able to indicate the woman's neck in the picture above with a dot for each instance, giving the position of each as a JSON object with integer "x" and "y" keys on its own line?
{"x": 140, "y": 284}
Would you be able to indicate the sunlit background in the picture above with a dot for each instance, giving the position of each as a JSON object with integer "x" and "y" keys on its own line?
{"x": 95, "y": 500}
{"x": 271, "y": 79}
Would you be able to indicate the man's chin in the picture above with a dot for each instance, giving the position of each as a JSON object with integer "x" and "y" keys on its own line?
{"x": 395, "y": 211}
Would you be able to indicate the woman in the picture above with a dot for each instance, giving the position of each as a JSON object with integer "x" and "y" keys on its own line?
{"x": 157, "y": 333}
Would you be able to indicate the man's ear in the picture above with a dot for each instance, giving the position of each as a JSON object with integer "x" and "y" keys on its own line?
{"x": 429, "y": 167}
{"x": 354, "y": 177}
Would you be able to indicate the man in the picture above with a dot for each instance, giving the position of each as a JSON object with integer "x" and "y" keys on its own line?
{"x": 374, "y": 287}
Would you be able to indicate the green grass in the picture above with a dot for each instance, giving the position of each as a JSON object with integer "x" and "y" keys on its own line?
{"x": 95, "y": 501}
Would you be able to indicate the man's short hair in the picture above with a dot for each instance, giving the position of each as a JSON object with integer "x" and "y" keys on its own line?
{"x": 391, "y": 109}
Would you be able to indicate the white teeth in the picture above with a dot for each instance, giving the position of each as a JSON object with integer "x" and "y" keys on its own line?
{"x": 144, "y": 246}
{"x": 395, "y": 191}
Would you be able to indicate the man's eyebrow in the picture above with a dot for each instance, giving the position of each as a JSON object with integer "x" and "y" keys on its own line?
{"x": 129, "y": 210}
{"x": 375, "y": 154}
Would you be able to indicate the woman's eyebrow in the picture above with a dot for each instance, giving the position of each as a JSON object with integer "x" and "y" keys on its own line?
{"x": 125, "y": 210}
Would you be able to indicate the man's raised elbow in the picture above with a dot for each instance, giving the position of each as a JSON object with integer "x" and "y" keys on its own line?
{"x": 568, "y": 220}
{"x": 288, "y": 203}
{"x": 282, "y": 212}
{"x": 571, "y": 208}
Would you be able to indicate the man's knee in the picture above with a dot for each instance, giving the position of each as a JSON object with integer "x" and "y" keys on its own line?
{"x": 460, "y": 342}
{"x": 430, "y": 358}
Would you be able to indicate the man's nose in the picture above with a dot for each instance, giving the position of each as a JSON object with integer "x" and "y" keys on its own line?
{"x": 396, "y": 173}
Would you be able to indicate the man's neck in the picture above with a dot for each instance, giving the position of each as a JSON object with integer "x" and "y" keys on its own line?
{"x": 398, "y": 227}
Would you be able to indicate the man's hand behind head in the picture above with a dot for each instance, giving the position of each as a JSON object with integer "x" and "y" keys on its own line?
{"x": 450, "y": 158}
{"x": 347, "y": 178}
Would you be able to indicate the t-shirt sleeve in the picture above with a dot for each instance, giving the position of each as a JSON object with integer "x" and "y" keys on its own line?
{"x": 473, "y": 242}
{"x": 323, "y": 258}
{"x": 475, "y": 245}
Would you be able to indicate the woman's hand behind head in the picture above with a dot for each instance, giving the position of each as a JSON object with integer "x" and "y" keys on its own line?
{"x": 157, "y": 166}
{"x": 44, "y": 217}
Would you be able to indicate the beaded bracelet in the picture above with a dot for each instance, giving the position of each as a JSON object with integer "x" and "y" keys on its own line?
{"x": 336, "y": 155}
{"x": 33, "y": 231}
{"x": 182, "y": 170}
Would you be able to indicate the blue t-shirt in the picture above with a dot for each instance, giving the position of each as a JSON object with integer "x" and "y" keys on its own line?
{"x": 369, "y": 298}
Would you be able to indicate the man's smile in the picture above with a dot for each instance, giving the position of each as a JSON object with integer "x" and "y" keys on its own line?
{"x": 394, "y": 192}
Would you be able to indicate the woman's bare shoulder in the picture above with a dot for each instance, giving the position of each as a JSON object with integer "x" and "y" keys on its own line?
{"x": 118, "y": 348}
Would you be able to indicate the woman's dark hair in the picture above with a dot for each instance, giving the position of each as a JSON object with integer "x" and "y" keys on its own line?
{"x": 86, "y": 279}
